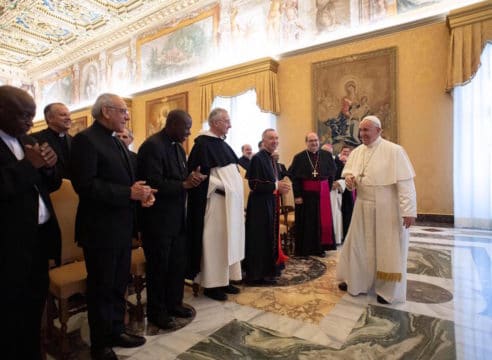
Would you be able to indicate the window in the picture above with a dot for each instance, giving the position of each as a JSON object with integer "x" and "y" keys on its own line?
{"x": 247, "y": 120}
{"x": 473, "y": 148}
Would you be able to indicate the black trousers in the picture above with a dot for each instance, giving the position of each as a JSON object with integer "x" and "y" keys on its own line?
{"x": 165, "y": 272}
{"x": 24, "y": 305}
{"x": 108, "y": 270}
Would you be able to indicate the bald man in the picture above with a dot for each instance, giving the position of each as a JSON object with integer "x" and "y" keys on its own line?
{"x": 375, "y": 251}
{"x": 30, "y": 232}
{"x": 312, "y": 172}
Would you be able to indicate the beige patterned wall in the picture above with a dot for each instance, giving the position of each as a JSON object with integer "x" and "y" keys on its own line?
{"x": 425, "y": 110}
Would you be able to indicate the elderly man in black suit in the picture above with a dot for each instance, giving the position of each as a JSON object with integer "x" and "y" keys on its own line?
{"x": 57, "y": 117}
{"x": 162, "y": 163}
{"x": 104, "y": 178}
{"x": 30, "y": 232}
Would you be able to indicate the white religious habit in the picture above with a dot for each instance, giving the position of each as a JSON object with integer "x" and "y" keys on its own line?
{"x": 374, "y": 255}
{"x": 223, "y": 230}
{"x": 336, "y": 210}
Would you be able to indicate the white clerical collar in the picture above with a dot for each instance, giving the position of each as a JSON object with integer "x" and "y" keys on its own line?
{"x": 375, "y": 142}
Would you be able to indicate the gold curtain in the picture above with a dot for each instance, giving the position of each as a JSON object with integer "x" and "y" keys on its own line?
{"x": 260, "y": 75}
{"x": 471, "y": 29}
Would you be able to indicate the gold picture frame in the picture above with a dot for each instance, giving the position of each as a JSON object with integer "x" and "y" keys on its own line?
{"x": 78, "y": 124}
{"x": 156, "y": 111}
{"x": 349, "y": 88}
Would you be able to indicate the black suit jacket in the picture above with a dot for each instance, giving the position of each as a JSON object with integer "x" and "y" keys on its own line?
{"x": 20, "y": 187}
{"x": 52, "y": 138}
{"x": 162, "y": 163}
{"x": 102, "y": 177}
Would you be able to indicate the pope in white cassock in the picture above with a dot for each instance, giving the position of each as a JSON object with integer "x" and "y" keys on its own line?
{"x": 374, "y": 255}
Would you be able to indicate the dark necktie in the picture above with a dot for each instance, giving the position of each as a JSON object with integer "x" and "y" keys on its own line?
{"x": 64, "y": 148}
{"x": 181, "y": 161}
{"x": 123, "y": 155}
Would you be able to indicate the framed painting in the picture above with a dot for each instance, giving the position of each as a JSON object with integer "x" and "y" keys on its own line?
{"x": 177, "y": 50}
{"x": 120, "y": 65}
{"x": 347, "y": 89}
{"x": 78, "y": 124}
{"x": 90, "y": 81}
{"x": 58, "y": 87}
{"x": 156, "y": 111}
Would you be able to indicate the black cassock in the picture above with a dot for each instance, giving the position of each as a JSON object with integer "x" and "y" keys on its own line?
{"x": 261, "y": 218}
{"x": 307, "y": 214}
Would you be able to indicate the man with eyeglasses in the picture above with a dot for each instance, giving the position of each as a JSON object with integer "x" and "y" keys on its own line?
{"x": 216, "y": 211}
{"x": 30, "y": 232}
{"x": 57, "y": 117}
{"x": 104, "y": 178}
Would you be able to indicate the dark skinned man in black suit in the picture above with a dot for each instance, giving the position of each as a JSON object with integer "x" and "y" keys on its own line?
{"x": 162, "y": 163}
{"x": 30, "y": 232}
{"x": 104, "y": 178}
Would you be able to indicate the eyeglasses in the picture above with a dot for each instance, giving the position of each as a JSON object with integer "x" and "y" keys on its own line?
{"x": 122, "y": 111}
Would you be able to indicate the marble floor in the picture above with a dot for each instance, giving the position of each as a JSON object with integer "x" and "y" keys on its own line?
{"x": 448, "y": 313}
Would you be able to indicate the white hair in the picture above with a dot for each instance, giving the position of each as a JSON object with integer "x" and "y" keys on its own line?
{"x": 374, "y": 120}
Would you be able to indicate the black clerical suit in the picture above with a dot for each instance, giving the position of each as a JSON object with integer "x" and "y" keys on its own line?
{"x": 61, "y": 145}
{"x": 162, "y": 164}
{"x": 262, "y": 218}
{"x": 102, "y": 175}
{"x": 25, "y": 248}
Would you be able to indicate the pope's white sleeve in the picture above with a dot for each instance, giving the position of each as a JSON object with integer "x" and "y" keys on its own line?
{"x": 407, "y": 197}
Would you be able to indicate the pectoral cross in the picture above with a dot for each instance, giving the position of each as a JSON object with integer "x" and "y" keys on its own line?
{"x": 315, "y": 173}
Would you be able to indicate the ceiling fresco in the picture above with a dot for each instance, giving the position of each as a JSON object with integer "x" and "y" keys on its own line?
{"x": 33, "y": 32}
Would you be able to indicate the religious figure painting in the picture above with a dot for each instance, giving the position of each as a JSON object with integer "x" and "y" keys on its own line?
{"x": 156, "y": 111}
{"x": 120, "y": 69}
{"x": 178, "y": 50}
{"x": 332, "y": 14}
{"x": 57, "y": 88}
{"x": 89, "y": 81}
{"x": 345, "y": 90}
{"x": 78, "y": 124}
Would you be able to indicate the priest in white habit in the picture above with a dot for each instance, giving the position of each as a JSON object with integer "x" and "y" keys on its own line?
{"x": 216, "y": 212}
{"x": 374, "y": 255}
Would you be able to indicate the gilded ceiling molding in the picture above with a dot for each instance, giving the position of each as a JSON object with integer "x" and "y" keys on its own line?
{"x": 174, "y": 11}
{"x": 471, "y": 29}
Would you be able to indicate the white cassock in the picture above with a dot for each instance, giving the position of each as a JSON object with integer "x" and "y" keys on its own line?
{"x": 336, "y": 211}
{"x": 374, "y": 255}
{"x": 223, "y": 230}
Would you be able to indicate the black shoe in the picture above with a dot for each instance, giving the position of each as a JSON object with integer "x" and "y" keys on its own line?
{"x": 105, "y": 353}
{"x": 162, "y": 322}
{"x": 381, "y": 300}
{"x": 181, "y": 312}
{"x": 215, "y": 293}
{"x": 127, "y": 340}
{"x": 321, "y": 254}
{"x": 230, "y": 289}
{"x": 343, "y": 286}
